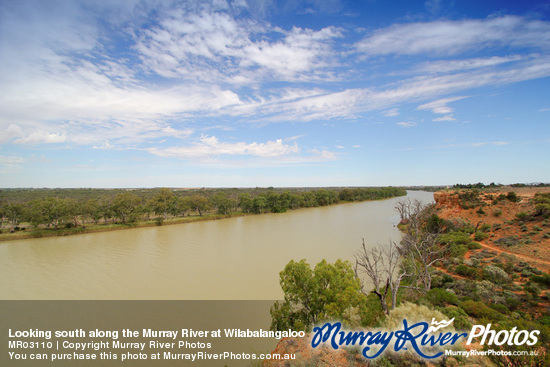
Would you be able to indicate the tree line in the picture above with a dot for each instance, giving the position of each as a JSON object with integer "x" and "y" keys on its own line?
{"x": 72, "y": 208}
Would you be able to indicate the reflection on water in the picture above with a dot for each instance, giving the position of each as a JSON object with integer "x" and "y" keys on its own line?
{"x": 237, "y": 258}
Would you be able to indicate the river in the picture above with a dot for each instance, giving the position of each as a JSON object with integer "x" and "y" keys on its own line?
{"x": 231, "y": 259}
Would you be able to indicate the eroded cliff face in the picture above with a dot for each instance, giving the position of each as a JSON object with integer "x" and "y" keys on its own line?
{"x": 446, "y": 199}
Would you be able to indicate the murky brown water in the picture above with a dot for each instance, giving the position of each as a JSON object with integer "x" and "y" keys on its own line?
{"x": 232, "y": 259}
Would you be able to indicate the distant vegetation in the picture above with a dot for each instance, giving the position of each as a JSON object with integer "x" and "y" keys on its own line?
{"x": 481, "y": 185}
{"x": 71, "y": 210}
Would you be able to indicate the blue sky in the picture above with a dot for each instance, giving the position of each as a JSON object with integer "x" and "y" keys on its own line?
{"x": 150, "y": 93}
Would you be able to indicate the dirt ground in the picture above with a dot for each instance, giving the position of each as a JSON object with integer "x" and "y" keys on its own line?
{"x": 532, "y": 236}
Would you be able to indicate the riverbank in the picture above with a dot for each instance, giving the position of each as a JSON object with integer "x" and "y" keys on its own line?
{"x": 36, "y": 213}
{"x": 25, "y": 233}
{"x": 61, "y": 232}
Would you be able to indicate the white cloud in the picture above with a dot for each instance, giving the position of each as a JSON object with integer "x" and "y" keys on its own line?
{"x": 40, "y": 137}
{"x": 445, "y": 118}
{"x": 215, "y": 46}
{"x": 209, "y": 147}
{"x": 440, "y": 106}
{"x": 391, "y": 113}
{"x": 447, "y": 66}
{"x": 448, "y": 37}
{"x": 407, "y": 124}
{"x": 11, "y": 161}
{"x": 203, "y": 61}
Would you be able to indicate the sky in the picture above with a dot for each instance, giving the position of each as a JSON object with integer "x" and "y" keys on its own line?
{"x": 247, "y": 93}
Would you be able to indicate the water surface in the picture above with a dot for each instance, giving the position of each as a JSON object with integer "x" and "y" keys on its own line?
{"x": 231, "y": 259}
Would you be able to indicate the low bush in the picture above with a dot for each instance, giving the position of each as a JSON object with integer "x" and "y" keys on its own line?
{"x": 480, "y": 236}
{"x": 474, "y": 246}
{"x": 543, "y": 279}
{"x": 495, "y": 274}
{"x": 461, "y": 318}
{"x": 513, "y": 197}
{"x": 500, "y": 308}
{"x": 456, "y": 250}
{"x": 508, "y": 241}
{"x": 441, "y": 297}
{"x": 466, "y": 271}
{"x": 522, "y": 215}
{"x": 480, "y": 310}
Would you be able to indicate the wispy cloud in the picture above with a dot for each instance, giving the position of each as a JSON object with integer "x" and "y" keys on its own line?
{"x": 11, "y": 161}
{"x": 448, "y": 37}
{"x": 407, "y": 124}
{"x": 209, "y": 146}
{"x": 214, "y": 46}
{"x": 445, "y": 118}
{"x": 447, "y": 66}
{"x": 162, "y": 73}
{"x": 391, "y": 112}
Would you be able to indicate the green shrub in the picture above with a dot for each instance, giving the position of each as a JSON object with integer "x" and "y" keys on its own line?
{"x": 543, "y": 279}
{"x": 456, "y": 250}
{"x": 508, "y": 241}
{"x": 480, "y": 310}
{"x": 513, "y": 303}
{"x": 461, "y": 318}
{"x": 485, "y": 227}
{"x": 532, "y": 288}
{"x": 474, "y": 246}
{"x": 497, "y": 212}
{"x": 513, "y": 197}
{"x": 500, "y": 308}
{"x": 495, "y": 274}
{"x": 440, "y": 297}
{"x": 522, "y": 215}
{"x": 466, "y": 271}
{"x": 480, "y": 236}
{"x": 524, "y": 228}
{"x": 526, "y": 273}
{"x": 442, "y": 280}
{"x": 454, "y": 238}
{"x": 481, "y": 211}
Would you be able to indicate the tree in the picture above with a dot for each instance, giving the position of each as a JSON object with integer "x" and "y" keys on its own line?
{"x": 259, "y": 203}
{"x": 246, "y": 203}
{"x": 162, "y": 202}
{"x": 180, "y": 206}
{"x": 50, "y": 211}
{"x": 199, "y": 203}
{"x": 93, "y": 209}
{"x": 222, "y": 203}
{"x": 311, "y": 296}
{"x": 412, "y": 260}
{"x": 126, "y": 206}
{"x": 381, "y": 265}
{"x": 13, "y": 212}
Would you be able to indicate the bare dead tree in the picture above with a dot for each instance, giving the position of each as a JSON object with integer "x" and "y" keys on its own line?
{"x": 382, "y": 265}
{"x": 419, "y": 245}
{"x": 418, "y": 252}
